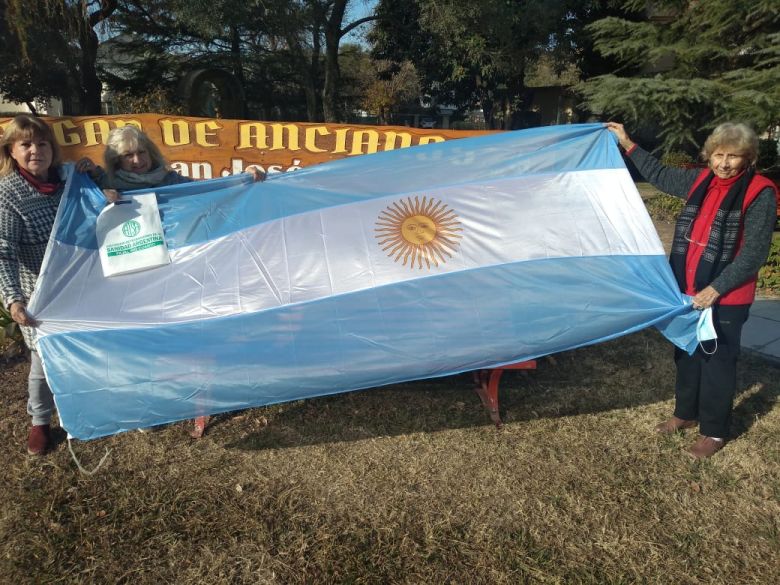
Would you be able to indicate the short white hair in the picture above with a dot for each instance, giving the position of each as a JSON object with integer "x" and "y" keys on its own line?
{"x": 125, "y": 139}
{"x": 740, "y": 137}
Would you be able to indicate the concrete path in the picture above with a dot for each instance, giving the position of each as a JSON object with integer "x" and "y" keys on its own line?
{"x": 761, "y": 333}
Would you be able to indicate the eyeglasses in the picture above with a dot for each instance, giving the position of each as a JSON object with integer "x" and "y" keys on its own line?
{"x": 687, "y": 235}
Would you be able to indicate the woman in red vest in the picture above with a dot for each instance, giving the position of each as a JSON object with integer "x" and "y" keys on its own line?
{"x": 721, "y": 240}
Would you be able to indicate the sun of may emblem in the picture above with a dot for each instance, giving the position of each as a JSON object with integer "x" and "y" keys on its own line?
{"x": 418, "y": 232}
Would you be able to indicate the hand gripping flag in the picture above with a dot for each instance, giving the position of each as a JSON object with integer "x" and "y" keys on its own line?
{"x": 409, "y": 264}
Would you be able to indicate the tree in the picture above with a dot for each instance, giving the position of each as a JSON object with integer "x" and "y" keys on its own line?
{"x": 335, "y": 30}
{"x": 387, "y": 86}
{"x": 280, "y": 50}
{"x": 22, "y": 80}
{"x": 475, "y": 54}
{"x": 688, "y": 66}
{"x": 50, "y": 49}
{"x": 84, "y": 21}
{"x": 300, "y": 26}
{"x": 272, "y": 48}
{"x": 157, "y": 43}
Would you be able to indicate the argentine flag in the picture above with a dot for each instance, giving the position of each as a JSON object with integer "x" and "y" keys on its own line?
{"x": 420, "y": 262}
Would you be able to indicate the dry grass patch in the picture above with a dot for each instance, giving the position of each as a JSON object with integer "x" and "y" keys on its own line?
{"x": 411, "y": 484}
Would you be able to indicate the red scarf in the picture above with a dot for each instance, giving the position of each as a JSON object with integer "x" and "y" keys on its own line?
{"x": 45, "y": 187}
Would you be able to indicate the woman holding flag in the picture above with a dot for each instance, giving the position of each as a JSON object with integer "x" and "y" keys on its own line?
{"x": 133, "y": 161}
{"x": 721, "y": 240}
{"x": 31, "y": 185}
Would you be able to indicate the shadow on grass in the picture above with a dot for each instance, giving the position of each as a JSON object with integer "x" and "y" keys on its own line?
{"x": 620, "y": 374}
{"x": 58, "y": 437}
{"x": 759, "y": 381}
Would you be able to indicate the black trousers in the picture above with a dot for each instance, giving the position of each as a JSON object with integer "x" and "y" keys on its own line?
{"x": 706, "y": 384}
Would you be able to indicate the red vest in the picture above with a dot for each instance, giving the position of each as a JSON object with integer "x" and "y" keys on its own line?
{"x": 700, "y": 233}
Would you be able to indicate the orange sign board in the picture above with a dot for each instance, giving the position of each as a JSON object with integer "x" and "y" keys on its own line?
{"x": 205, "y": 148}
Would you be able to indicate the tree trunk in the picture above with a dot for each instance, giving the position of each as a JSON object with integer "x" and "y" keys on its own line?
{"x": 332, "y": 72}
{"x": 486, "y": 101}
{"x": 238, "y": 66}
{"x": 506, "y": 106}
{"x": 333, "y": 35}
{"x": 313, "y": 100}
{"x": 329, "y": 91}
{"x": 309, "y": 68}
{"x": 307, "y": 64}
{"x": 91, "y": 87}
{"x": 516, "y": 93}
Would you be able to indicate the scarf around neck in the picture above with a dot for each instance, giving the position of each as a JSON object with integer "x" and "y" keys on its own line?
{"x": 125, "y": 180}
{"x": 47, "y": 187}
{"x": 724, "y": 232}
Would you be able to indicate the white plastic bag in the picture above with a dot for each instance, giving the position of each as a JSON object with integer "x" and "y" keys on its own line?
{"x": 130, "y": 236}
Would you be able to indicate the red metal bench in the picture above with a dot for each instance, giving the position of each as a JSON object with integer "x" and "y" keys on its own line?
{"x": 486, "y": 386}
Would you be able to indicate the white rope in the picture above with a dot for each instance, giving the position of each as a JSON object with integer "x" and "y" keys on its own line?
{"x": 82, "y": 469}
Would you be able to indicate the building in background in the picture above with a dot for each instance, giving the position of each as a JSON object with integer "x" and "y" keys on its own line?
{"x": 47, "y": 108}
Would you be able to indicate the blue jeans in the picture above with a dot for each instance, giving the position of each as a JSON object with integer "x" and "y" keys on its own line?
{"x": 40, "y": 401}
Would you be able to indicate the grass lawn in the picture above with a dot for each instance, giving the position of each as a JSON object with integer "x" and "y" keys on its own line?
{"x": 411, "y": 484}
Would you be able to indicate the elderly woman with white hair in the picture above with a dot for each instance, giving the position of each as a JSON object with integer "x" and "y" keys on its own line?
{"x": 721, "y": 240}
{"x": 133, "y": 161}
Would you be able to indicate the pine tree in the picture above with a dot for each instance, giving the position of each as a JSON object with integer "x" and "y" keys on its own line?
{"x": 689, "y": 65}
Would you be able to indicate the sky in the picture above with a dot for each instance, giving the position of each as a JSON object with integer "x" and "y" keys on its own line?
{"x": 358, "y": 9}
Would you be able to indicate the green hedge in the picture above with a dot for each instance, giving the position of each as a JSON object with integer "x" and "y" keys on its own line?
{"x": 10, "y": 334}
{"x": 677, "y": 158}
{"x": 769, "y": 275}
{"x": 664, "y": 206}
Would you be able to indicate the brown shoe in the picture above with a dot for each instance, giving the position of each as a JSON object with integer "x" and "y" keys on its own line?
{"x": 38, "y": 440}
{"x": 705, "y": 447}
{"x": 674, "y": 425}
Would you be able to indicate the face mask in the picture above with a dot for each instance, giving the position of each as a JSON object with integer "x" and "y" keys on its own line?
{"x": 705, "y": 329}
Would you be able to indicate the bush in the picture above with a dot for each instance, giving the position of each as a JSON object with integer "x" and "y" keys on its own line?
{"x": 11, "y": 341}
{"x": 769, "y": 275}
{"x": 159, "y": 101}
{"x": 767, "y": 154}
{"x": 677, "y": 158}
{"x": 664, "y": 206}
